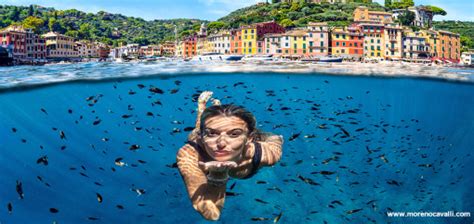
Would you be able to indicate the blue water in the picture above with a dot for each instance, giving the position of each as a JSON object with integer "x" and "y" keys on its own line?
{"x": 410, "y": 122}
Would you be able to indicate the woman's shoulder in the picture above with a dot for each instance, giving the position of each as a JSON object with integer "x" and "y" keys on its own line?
{"x": 187, "y": 151}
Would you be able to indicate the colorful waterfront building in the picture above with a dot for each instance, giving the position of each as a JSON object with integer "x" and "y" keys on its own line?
{"x": 236, "y": 41}
{"x": 467, "y": 58}
{"x": 393, "y": 37}
{"x": 86, "y": 49}
{"x": 294, "y": 44}
{"x": 60, "y": 46}
{"x": 252, "y": 36}
{"x": 188, "y": 47}
{"x": 450, "y": 45}
{"x": 432, "y": 40}
{"x": 13, "y": 39}
{"x": 374, "y": 41}
{"x": 273, "y": 45}
{"x": 318, "y": 39}
{"x": 179, "y": 48}
{"x": 347, "y": 42}
{"x": 220, "y": 42}
{"x": 150, "y": 50}
{"x": 363, "y": 15}
{"x": 168, "y": 48}
{"x": 415, "y": 46}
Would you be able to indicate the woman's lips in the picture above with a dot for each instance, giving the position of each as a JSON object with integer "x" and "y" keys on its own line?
{"x": 221, "y": 153}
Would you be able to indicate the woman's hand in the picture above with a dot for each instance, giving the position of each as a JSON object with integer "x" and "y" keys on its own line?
{"x": 218, "y": 171}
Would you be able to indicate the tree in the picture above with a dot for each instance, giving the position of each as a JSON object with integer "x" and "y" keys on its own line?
{"x": 33, "y": 23}
{"x": 436, "y": 10}
{"x": 403, "y": 4}
{"x": 406, "y": 18}
{"x": 275, "y": 1}
{"x": 286, "y": 23}
{"x": 85, "y": 31}
{"x": 388, "y": 3}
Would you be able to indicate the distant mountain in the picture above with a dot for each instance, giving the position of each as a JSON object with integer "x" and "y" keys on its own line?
{"x": 102, "y": 26}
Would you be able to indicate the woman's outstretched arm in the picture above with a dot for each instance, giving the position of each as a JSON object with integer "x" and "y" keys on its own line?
{"x": 207, "y": 199}
{"x": 202, "y": 101}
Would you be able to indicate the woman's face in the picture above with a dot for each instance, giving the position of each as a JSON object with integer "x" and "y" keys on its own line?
{"x": 225, "y": 138}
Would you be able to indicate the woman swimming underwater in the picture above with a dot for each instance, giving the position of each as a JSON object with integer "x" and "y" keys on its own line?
{"x": 224, "y": 143}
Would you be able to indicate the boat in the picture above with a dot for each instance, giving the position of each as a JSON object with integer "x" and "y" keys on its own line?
{"x": 330, "y": 59}
{"x": 5, "y": 58}
{"x": 217, "y": 57}
{"x": 257, "y": 58}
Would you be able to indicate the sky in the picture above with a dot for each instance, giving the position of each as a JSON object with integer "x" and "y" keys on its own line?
{"x": 209, "y": 9}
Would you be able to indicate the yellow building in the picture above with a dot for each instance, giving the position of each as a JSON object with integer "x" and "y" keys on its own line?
{"x": 249, "y": 40}
{"x": 253, "y": 36}
{"x": 432, "y": 40}
{"x": 362, "y": 14}
{"x": 294, "y": 44}
{"x": 393, "y": 41}
{"x": 374, "y": 42}
{"x": 60, "y": 46}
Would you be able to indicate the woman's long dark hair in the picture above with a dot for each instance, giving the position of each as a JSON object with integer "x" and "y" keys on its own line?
{"x": 229, "y": 110}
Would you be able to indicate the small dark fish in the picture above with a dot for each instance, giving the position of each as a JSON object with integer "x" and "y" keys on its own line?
{"x": 230, "y": 193}
{"x": 294, "y": 136}
{"x": 278, "y": 217}
{"x": 13, "y": 130}
{"x": 62, "y": 135}
{"x": 150, "y": 114}
{"x": 53, "y": 210}
{"x": 298, "y": 162}
{"x": 10, "y": 208}
{"x": 93, "y": 218}
{"x": 156, "y": 90}
{"x": 259, "y": 219}
{"x": 99, "y": 197}
{"x": 141, "y": 86}
{"x": 43, "y": 160}
{"x": 44, "y": 111}
{"x": 233, "y": 185}
{"x": 261, "y": 182}
{"x": 336, "y": 202}
{"x": 97, "y": 122}
{"x": 134, "y": 147}
{"x": 19, "y": 189}
{"x": 173, "y": 91}
{"x": 175, "y": 165}
{"x": 393, "y": 182}
{"x": 261, "y": 201}
{"x": 125, "y": 116}
{"x": 120, "y": 207}
{"x": 353, "y": 211}
{"x": 345, "y": 132}
{"x": 326, "y": 172}
{"x": 188, "y": 128}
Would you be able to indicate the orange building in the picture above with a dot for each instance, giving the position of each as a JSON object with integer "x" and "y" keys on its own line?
{"x": 347, "y": 42}
{"x": 362, "y": 14}
{"x": 189, "y": 46}
{"x": 236, "y": 41}
{"x": 449, "y": 46}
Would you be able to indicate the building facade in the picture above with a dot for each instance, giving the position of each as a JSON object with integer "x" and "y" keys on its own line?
{"x": 415, "y": 46}
{"x": 255, "y": 32}
{"x": 318, "y": 39}
{"x": 363, "y": 15}
{"x": 347, "y": 42}
{"x": 393, "y": 41}
{"x": 60, "y": 46}
{"x": 374, "y": 42}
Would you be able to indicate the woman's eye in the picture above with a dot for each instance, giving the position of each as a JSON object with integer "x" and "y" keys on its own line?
{"x": 235, "y": 134}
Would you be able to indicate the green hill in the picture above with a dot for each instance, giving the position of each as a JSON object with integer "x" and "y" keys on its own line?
{"x": 105, "y": 27}
{"x": 115, "y": 28}
{"x": 297, "y": 14}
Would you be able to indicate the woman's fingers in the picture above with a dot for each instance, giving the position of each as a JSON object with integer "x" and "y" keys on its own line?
{"x": 205, "y": 96}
